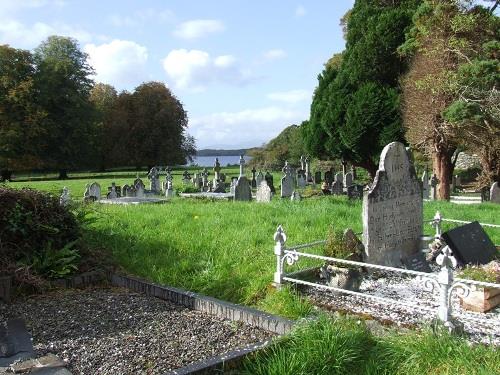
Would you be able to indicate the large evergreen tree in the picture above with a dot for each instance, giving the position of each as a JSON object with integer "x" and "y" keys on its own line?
{"x": 355, "y": 109}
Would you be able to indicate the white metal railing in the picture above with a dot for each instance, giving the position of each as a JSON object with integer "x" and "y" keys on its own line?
{"x": 443, "y": 281}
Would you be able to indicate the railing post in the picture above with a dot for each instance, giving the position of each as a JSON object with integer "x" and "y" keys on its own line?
{"x": 280, "y": 239}
{"x": 445, "y": 279}
{"x": 436, "y": 223}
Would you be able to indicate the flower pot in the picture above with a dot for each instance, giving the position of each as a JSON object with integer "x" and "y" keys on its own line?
{"x": 481, "y": 299}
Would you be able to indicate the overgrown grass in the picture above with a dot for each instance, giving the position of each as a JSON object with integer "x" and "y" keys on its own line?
{"x": 345, "y": 346}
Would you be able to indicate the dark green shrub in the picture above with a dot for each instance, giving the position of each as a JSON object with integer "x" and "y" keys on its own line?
{"x": 31, "y": 222}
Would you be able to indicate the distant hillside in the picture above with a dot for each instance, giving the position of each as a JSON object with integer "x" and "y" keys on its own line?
{"x": 212, "y": 152}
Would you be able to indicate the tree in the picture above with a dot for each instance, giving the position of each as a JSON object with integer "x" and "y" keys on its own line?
{"x": 103, "y": 97}
{"x": 149, "y": 128}
{"x": 364, "y": 77}
{"x": 443, "y": 44}
{"x": 63, "y": 89}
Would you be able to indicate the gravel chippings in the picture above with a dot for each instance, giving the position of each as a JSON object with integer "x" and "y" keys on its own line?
{"x": 407, "y": 289}
{"x": 115, "y": 331}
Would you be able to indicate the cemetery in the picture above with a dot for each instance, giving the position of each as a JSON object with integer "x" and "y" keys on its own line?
{"x": 231, "y": 189}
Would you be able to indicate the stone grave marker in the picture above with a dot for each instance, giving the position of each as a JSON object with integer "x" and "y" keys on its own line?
{"x": 495, "y": 193}
{"x": 270, "y": 181}
{"x": 65, "y": 198}
{"x": 308, "y": 170}
{"x": 301, "y": 180}
{"x": 286, "y": 181}
{"x": 219, "y": 187}
{"x": 263, "y": 192}
{"x": 233, "y": 185}
{"x": 169, "y": 189}
{"x": 254, "y": 181}
{"x": 139, "y": 188}
{"x": 348, "y": 179}
{"x": 154, "y": 180}
{"x": 392, "y": 210}
{"x": 186, "y": 178}
{"x": 329, "y": 177}
{"x": 470, "y": 244}
{"x": 112, "y": 193}
{"x": 425, "y": 185}
{"x": 296, "y": 196}
{"x": 259, "y": 178}
{"x": 242, "y": 190}
{"x": 317, "y": 177}
{"x": 337, "y": 185}
{"x": 417, "y": 262}
{"x": 92, "y": 192}
{"x": 125, "y": 189}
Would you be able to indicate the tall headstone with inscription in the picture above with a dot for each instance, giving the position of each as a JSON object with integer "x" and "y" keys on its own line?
{"x": 154, "y": 177}
{"x": 242, "y": 189}
{"x": 286, "y": 181}
{"x": 393, "y": 210}
{"x": 348, "y": 179}
{"x": 337, "y": 185}
{"x": 495, "y": 193}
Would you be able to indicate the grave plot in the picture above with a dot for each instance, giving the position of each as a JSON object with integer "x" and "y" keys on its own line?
{"x": 115, "y": 331}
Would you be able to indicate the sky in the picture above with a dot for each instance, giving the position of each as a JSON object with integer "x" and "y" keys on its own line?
{"x": 244, "y": 70}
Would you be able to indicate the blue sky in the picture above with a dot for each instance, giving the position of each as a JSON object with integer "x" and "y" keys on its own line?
{"x": 244, "y": 70}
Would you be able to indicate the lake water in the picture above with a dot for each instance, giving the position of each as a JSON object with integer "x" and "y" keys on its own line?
{"x": 208, "y": 161}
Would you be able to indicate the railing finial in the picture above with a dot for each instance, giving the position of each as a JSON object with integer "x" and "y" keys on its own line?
{"x": 279, "y": 235}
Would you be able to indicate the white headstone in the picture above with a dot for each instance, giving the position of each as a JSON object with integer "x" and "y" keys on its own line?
{"x": 263, "y": 192}
{"x": 286, "y": 181}
{"x": 242, "y": 190}
{"x": 95, "y": 191}
{"x": 495, "y": 193}
{"x": 392, "y": 210}
{"x": 65, "y": 198}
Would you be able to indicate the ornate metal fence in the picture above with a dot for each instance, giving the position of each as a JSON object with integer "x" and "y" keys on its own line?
{"x": 442, "y": 281}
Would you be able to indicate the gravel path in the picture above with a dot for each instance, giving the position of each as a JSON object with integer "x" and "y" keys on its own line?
{"x": 407, "y": 289}
{"x": 114, "y": 331}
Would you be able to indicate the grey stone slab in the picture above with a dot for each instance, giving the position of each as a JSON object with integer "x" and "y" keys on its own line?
{"x": 495, "y": 193}
{"x": 15, "y": 342}
{"x": 392, "y": 210}
{"x": 417, "y": 262}
{"x": 242, "y": 190}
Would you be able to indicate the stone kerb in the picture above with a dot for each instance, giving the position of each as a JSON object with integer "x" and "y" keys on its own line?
{"x": 392, "y": 210}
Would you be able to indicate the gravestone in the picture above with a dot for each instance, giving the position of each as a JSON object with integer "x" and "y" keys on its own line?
{"x": 434, "y": 185}
{"x": 139, "y": 181}
{"x": 425, "y": 185}
{"x": 329, "y": 177}
{"x": 125, "y": 189}
{"x": 470, "y": 244}
{"x": 65, "y": 198}
{"x": 259, "y": 178}
{"x": 92, "y": 192}
{"x": 317, "y": 177}
{"x": 242, "y": 190}
{"x": 154, "y": 180}
{"x": 217, "y": 169}
{"x": 219, "y": 187}
{"x": 337, "y": 185}
{"x": 263, "y": 192}
{"x": 295, "y": 196}
{"x": 301, "y": 180}
{"x": 485, "y": 194}
{"x": 15, "y": 342}
{"x": 325, "y": 188}
{"x": 286, "y": 181}
{"x": 169, "y": 189}
{"x": 308, "y": 170}
{"x": 112, "y": 194}
{"x": 139, "y": 188}
{"x": 348, "y": 179}
{"x": 392, "y": 210}
{"x": 232, "y": 187}
{"x": 186, "y": 178}
{"x": 355, "y": 191}
{"x": 270, "y": 181}
{"x": 495, "y": 193}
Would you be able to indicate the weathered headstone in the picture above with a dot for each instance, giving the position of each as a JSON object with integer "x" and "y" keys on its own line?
{"x": 242, "y": 190}
{"x": 112, "y": 194}
{"x": 169, "y": 189}
{"x": 337, "y": 185}
{"x": 217, "y": 169}
{"x": 392, "y": 210}
{"x": 286, "y": 181}
{"x": 65, "y": 198}
{"x": 242, "y": 165}
{"x": 301, "y": 180}
{"x": 263, "y": 192}
{"x": 434, "y": 186}
{"x": 495, "y": 193}
{"x": 254, "y": 181}
{"x": 329, "y": 177}
{"x": 125, "y": 189}
{"x": 270, "y": 181}
{"x": 154, "y": 180}
{"x": 425, "y": 185}
{"x": 348, "y": 179}
{"x": 317, "y": 177}
{"x": 295, "y": 196}
{"x": 470, "y": 244}
{"x": 139, "y": 188}
{"x": 186, "y": 178}
{"x": 219, "y": 187}
{"x": 259, "y": 178}
{"x": 92, "y": 192}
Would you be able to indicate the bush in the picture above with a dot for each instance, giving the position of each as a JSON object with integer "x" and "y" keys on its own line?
{"x": 33, "y": 226}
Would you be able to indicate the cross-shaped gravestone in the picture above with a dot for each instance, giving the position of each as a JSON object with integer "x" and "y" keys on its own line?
{"x": 286, "y": 181}
{"x": 217, "y": 169}
{"x": 254, "y": 181}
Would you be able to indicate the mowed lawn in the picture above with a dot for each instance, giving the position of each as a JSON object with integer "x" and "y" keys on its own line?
{"x": 225, "y": 249}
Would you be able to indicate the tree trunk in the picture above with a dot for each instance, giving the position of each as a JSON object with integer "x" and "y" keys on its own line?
{"x": 63, "y": 174}
{"x": 442, "y": 166}
{"x": 5, "y": 175}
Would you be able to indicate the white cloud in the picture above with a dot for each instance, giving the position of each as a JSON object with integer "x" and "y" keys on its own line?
{"x": 246, "y": 128}
{"x": 20, "y": 35}
{"x": 121, "y": 63}
{"x": 197, "y": 28}
{"x": 274, "y": 54}
{"x": 195, "y": 69}
{"x": 290, "y": 97}
{"x": 300, "y": 11}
